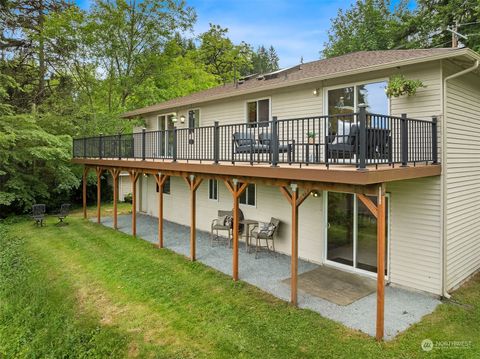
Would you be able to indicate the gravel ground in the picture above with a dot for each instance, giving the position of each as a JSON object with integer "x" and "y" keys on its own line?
{"x": 402, "y": 308}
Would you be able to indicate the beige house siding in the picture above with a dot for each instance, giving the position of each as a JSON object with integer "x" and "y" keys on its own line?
{"x": 462, "y": 171}
{"x": 124, "y": 186}
{"x": 415, "y": 232}
{"x": 415, "y": 254}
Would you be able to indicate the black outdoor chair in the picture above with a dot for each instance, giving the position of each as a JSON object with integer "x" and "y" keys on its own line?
{"x": 38, "y": 214}
{"x": 379, "y": 144}
{"x": 284, "y": 146}
{"x": 246, "y": 144}
{"x": 345, "y": 147}
{"x": 64, "y": 212}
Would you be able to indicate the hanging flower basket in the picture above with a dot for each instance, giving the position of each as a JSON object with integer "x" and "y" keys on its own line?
{"x": 398, "y": 86}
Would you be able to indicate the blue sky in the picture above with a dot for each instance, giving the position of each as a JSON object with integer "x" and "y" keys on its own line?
{"x": 295, "y": 28}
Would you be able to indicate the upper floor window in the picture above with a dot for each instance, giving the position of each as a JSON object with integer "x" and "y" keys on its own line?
{"x": 193, "y": 118}
{"x": 213, "y": 189}
{"x": 258, "y": 111}
{"x": 248, "y": 196}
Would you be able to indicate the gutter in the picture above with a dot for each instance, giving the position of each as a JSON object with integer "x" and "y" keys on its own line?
{"x": 444, "y": 177}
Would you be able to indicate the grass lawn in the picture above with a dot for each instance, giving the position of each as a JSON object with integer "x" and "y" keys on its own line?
{"x": 84, "y": 290}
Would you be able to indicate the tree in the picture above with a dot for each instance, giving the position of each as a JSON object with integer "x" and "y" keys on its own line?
{"x": 432, "y": 17}
{"x": 221, "y": 57}
{"x": 264, "y": 60}
{"x": 368, "y": 25}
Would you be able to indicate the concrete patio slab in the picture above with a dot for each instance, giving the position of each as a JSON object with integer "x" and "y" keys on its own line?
{"x": 269, "y": 273}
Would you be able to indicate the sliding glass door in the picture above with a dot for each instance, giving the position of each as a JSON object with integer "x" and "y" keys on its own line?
{"x": 352, "y": 232}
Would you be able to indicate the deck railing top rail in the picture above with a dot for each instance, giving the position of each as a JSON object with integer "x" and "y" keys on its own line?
{"x": 361, "y": 139}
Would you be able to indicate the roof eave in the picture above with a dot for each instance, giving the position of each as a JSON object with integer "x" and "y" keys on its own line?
{"x": 460, "y": 52}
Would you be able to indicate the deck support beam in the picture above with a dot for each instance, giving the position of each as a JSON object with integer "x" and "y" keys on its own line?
{"x": 84, "y": 191}
{"x": 236, "y": 191}
{"x": 133, "y": 179}
{"x": 99, "y": 171}
{"x": 193, "y": 183}
{"x": 295, "y": 201}
{"x": 160, "y": 179}
{"x": 115, "y": 172}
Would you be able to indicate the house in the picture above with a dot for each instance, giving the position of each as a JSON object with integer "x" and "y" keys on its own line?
{"x": 362, "y": 182}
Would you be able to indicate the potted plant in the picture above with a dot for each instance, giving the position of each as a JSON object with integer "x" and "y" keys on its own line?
{"x": 398, "y": 86}
{"x": 311, "y": 137}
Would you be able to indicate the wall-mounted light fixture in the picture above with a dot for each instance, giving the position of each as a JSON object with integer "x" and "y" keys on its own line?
{"x": 174, "y": 117}
{"x": 316, "y": 92}
{"x": 315, "y": 194}
{"x": 182, "y": 119}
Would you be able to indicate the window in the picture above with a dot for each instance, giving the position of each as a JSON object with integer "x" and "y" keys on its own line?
{"x": 213, "y": 189}
{"x": 345, "y": 100}
{"x": 248, "y": 196}
{"x": 193, "y": 119}
{"x": 166, "y": 186}
{"x": 258, "y": 111}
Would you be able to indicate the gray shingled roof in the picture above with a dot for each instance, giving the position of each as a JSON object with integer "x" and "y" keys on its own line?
{"x": 315, "y": 70}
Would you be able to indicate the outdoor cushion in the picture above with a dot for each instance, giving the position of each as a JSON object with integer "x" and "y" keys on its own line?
{"x": 228, "y": 221}
{"x": 243, "y": 139}
{"x": 343, "y": 132}
{"x": 256, "y": 148}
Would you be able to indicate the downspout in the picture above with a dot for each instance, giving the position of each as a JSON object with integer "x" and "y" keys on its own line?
{"x": 444, "y": 178}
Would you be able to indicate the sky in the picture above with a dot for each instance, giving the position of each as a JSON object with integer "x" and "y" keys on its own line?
{"x": 295, "y": 28}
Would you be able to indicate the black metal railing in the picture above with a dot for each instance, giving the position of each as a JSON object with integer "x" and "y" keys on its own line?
{"x": 361, "y": 139}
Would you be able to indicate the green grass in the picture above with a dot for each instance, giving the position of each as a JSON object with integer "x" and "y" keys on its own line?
{"x": 87, "y": 291}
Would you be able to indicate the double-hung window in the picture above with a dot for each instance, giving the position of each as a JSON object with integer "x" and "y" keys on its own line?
{"x": 258, "y": 112}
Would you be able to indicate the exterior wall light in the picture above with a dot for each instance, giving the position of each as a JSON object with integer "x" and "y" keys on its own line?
{"x": 174, "y": 118}
{"x": 316, "y": 92}
{"x": 182, "y": 119}
{"x": 315, "y": 194}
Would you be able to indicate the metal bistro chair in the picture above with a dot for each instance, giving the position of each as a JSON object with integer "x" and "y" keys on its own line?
{"x": 219, "y": 224}
{"x": 38, "y": 214}
{"x": 64, "y": 211}
{"x": 266, "y": 234}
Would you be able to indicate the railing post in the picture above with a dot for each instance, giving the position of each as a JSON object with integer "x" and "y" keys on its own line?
{"x": 174, "y": 150}
{"x": 100, "y": 145}
{"x": 84, "y": 147}
{"x": 119, "y": 146}
{"x": 216, "y": 142}
{"x": 143, "y": 143}
{"x": 404, "y": 140}
{"x": 434, "y": 140}
{"x": 362, "y": 138}
{"x": 274, "y": 142}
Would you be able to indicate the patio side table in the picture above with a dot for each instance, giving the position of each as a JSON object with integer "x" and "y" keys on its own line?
{"x": 247, "y": 223}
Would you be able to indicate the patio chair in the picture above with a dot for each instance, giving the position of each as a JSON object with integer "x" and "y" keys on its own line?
{"x": 266, "y": 232}
{"x": 64, "y": 212}
{"x": 284, "y": 146}
{"x": 38, "y": 214}
{"x": 343, "y": 146}
{"x": 379, "y": 144}
{"x": 223, "y": 222}
{"x": 246, "y": 144}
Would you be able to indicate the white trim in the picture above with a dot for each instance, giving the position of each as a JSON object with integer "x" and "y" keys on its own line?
{"x": 354, "y": 85}
{"x": 164, "y": 115}
{"x": 352, "y": 268}
{"x": 269, "y": 98}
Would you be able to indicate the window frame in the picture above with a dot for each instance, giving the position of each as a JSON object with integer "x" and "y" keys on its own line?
{"x": 257, "y": 123}
{"x": 246, "y": 196}
{"x": 209, "y": 191}
{"x": 355, "y": 90}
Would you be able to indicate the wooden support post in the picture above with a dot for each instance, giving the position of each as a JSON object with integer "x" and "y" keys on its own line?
{"x": 160, "y": 179}
{"x": 133, "y": 179}
{"x": 84, "y": 191}
{"x": 380, "y": 263}
{"x": 193, "y": 183}
{"x": 115, "y": 174}
{"x": 295, "y": 201}
{"x": 236, "y": 191}
{"x": 99, "y": 171}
